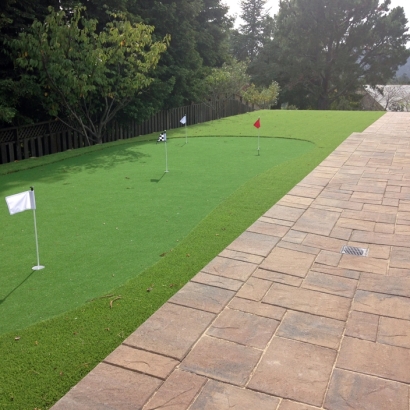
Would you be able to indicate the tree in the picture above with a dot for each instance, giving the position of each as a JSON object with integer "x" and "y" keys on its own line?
{"x": 326, "y": 49}
{"x": 88, "y": 77}
{"x": 265, "y": 97}
{"x": 257, "y": 26}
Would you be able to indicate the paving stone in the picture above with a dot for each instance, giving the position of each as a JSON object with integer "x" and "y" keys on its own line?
{"x": 243, "y": 328}
{"x": 295, "y": 201}
{"x": 294, "y": 370}
{"x": 337, "y": 203}
{"x": 177, "y": 393}
{"x": 317, "y": 221}
{"x": 254, "y": 243}
{"x": 382, "y": 304}
{"x": 142, "y": 361}
{"x": 221, "y": 360}
{"x": 266, "y": 228}
{"x": 295, "y": 236}
{"x": 277, "y": 277}
{"x": 288, "y": 261}
{"x": 217, "y": 281}
{"x": 254, "y": 289}
{"x": 364, "y": 264}
{"x": 202, "y": 297}
{"x": 308, "y": 192}
{"x": 400, "y": 258}
{"x": 257, "y": 308}
{"x": 379, "y": 208}
{"x": 308, "y": 301}
{"x": 230, "y": 268}
{"x": 286, "y": 213}
{"x": 291, "y": 405}
{"x": 399, "y": 286}
{"x": 367, "y": 198}
{"x": 335, "y": 285}
{"x": 355, "y": 224}
{"x": 375, "y": 251}
{"x": 276, "y": 221}
{"x": 298, "y": 247}
{"x": 344, "y": 196}
{"x": 328, "y": 258}
{"x": 110, "y": 387}
{"x": 394, "y": 332}
{"x": 380, "y": 217}
{"x": 384, "y": 228}
{"x": 362, "y": 356}
{"x": 317, "y": 330}
{"x": 377, "y": 188}
{"x": 341, "y": 233}
{"x": 324, "y": 242}
{"x": 171, "y": 330}
{"x": 391, "y": 201}
{"x": 220, "y": 396}
{"x": 352, "y": 391}
{"x": 362, "y": 326}
{"x": 241, "y": 256}
{"x": 399, "y": 272}
{"x": 312, "y": 180}
{"x": 331, "y": 270}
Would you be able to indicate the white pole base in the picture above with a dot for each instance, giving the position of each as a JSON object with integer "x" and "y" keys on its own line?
{"x": 38, "y": 267}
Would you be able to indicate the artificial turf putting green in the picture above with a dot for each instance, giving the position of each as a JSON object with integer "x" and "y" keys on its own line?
{"x": 53, "y": 355}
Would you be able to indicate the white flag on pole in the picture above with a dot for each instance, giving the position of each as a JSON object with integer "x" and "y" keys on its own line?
{"x": 183, "y": 120}
{"x": 21, "y": 202}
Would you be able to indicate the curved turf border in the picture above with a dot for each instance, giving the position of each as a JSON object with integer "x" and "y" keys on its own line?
{"x": 50, "y": 357}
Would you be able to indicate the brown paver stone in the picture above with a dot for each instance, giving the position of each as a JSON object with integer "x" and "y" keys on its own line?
{"x": 341, "y": 233}
{"x": 336, "y": 285}
{"x": 243, "y": 328}
{"x": 291, "y": 405}
{"x": 257, "y": 308}
{"x": 308, "y": 192}
{"x": 295, "y": 236}
{"x": 286, "y": 213}
{"x": 288, "y": 261}
{"x": 171, "y": 330}
{"x": 400, "y": 258}
{"x": 362, "y": 356}
{"x": 230, "y": 268}
{"x": 220, "y": 396}
{"x": 225, "y": 361}
{"x": 399, "y": 272}
{"x": 268, "y": 229}
{"x": 309, "y": 301}
{"x": 362, "y": 325}
{"x": 352, "y": 391}
{"x": 294, "y": 370}
{"x": 277, "y": 277}
{"x": 110, "y": 387}
{"x": 394, "y": 332}
{"x": 399, "y": 286}
{"x": 295, "y": 201}
{"x": 370, "y": 216}
{"x": 202, "y": 297}
{"x": 367, "y": 198}
{"x": 337, "y": 203}
{"x": 328, "y": 258}
{"x": 345, "y": 273}
{"x": 382, "y": 304}
{"x": 384, "y": 228}
{"x": 142, "y": 361}
{"x": 177, "y": 393}
{"x": 254, "y": 243}
{"x": 364, "y": 264}
{"x": 324, "y": 242}
{"x": 356, "y": 224}
{"x": 254, "y": 289}
{"x": 241, "y": 256}
{"x": 298, "y": 247}
{"x": 317, "y": 221}
{"x": 317, "y": 330}
{"x": 217, "y": 281}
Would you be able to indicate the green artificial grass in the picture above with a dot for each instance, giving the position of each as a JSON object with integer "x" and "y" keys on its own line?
{"x": 122, "y": 184}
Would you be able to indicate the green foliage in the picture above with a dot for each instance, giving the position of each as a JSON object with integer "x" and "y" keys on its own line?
{"x": 263, "y": 97}
{"x": 87, "y": 77}
{"x": 324, "y": 50}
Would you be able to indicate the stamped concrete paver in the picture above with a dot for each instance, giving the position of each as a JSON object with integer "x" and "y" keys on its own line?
{"x": 280, "y": 319}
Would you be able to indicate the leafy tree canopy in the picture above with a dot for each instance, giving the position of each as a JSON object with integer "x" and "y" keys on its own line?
{"x": 87, "y": 76}
{"x": 324, "y": 50}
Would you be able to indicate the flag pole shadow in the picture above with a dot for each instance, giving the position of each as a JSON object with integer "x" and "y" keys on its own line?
{"x": 158, "y": 180}
{"x": 13, "y": 290}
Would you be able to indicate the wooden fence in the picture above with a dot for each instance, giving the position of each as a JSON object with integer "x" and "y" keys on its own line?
{"x": 46, "y": 138}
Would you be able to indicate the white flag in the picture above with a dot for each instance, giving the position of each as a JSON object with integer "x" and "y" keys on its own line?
{"x": 183, "y": 120}
{"x": 21, "y": 202}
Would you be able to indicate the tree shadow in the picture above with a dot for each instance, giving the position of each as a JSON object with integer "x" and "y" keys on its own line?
{"x": 13, "y": 290}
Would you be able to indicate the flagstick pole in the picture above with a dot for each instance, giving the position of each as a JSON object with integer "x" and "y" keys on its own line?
{"x": 186, "y": 136}
{"x": 38, "y": 267}
{"x": 166, "y": 157}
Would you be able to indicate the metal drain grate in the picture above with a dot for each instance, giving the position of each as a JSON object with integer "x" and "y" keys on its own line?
{"x": 352, "y": 250}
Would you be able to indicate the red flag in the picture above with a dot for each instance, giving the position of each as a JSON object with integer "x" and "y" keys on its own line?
{"x": 257, "y": 123}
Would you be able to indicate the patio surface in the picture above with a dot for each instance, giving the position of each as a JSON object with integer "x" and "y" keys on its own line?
{"x": 281, "y": 319}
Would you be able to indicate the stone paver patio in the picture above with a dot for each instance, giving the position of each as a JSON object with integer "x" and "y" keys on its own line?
{"x": 281, "y": 320}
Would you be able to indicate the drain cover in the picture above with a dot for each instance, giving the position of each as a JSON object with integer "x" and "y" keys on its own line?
{"x": 352, "y": 250}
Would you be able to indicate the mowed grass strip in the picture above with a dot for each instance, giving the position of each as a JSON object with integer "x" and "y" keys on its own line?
{"x": 51, "y": 356}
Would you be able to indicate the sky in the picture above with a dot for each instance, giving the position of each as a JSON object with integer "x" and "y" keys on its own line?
{"x": 235, "y": 7}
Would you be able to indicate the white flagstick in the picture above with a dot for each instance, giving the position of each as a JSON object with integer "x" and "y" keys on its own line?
{"x": 166, "y": 157}
{"x": 186, "y": 136}
{"x": 38, "y": 267}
